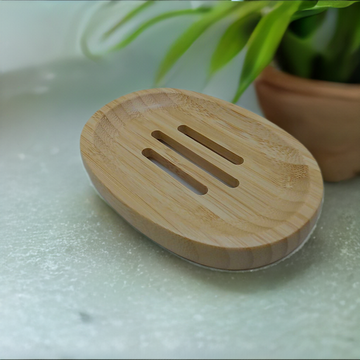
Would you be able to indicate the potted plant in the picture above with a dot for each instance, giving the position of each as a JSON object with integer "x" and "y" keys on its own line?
{"x": 313, "y": 91}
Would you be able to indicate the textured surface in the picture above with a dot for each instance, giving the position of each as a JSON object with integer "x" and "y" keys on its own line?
{"x": 260, "y": 211}
{"x": 77, "y": 281}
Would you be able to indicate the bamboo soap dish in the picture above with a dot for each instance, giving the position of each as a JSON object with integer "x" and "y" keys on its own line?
{"x": 207, "y": 180}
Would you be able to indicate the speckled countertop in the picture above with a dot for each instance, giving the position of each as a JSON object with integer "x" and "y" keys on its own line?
{"x": 77, "y": 281}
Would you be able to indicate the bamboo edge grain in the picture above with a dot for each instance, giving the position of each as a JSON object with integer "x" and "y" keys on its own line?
{"x": 251, "y": 250}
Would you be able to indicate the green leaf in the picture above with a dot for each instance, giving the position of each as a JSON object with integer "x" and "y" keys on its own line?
{"x": 183, "y": 43}
{"x": 296, "y": 55}
{"x": 153, "y": 21}
{"x": 128, "y": 17}
{"x": 264, "y": 42}
{"x": 340, "y": 58}
{"x": 96, "y": 19}
{"x": 235, "y": 37}
{"x": 307, "y": 12}
{"x": 307, "y": 26}
{"x": 309, "y": 8}
{"x": 356, "y": 36}
{"x": 333, "y": 4}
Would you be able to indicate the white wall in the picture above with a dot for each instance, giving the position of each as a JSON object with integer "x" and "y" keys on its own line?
{"x": 33, "y": 32}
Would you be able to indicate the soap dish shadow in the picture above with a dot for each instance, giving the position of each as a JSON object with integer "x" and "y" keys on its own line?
{"x": 271, "y": 277}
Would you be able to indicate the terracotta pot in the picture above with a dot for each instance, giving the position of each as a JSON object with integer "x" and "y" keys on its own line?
{"x": 324, "y": 116}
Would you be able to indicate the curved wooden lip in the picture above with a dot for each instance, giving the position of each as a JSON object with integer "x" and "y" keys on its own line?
{"x": 316, "y": 183}
{"x": 254, "y": 269}
{"x": 317, "y": 88}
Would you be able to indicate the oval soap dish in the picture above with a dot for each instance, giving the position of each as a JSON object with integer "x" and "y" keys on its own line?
{"x": 207, "y": 180}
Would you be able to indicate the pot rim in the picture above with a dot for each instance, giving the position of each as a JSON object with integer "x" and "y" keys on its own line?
{"x": 278, "y": 78}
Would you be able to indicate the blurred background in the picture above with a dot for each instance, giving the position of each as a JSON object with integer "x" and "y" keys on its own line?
{"x": 36, "y": 33}
{"x": 54, "y": 30}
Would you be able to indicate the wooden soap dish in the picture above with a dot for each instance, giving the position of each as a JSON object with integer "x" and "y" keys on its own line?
{"x": 208, "y": 180}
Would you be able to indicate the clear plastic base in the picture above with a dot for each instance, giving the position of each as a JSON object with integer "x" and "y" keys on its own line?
{"x": 234, "y": 271}
{"x": 259, "y": 268}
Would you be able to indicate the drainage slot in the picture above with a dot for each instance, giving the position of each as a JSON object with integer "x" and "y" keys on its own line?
{"x": 212, "y": 145}
{"x": 196, "y": 159}
{"x": 175, "y": 172}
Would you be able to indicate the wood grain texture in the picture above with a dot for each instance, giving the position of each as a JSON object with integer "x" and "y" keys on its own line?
{"x": 260, "y": 190}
